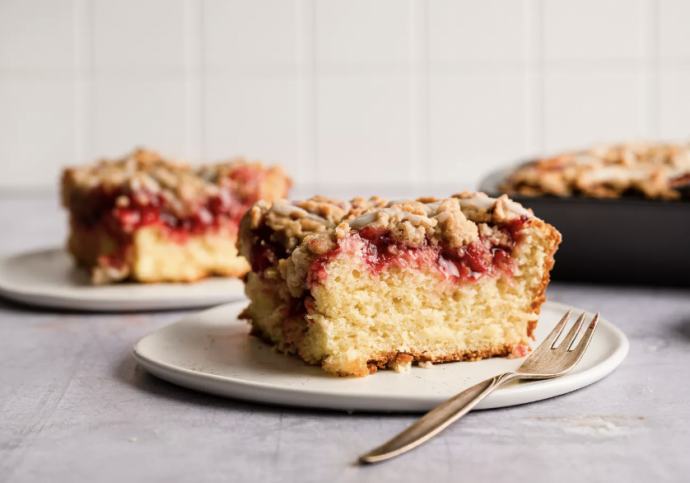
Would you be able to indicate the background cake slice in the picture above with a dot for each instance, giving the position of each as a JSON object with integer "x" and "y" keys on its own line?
{"x": 368, "y": 284}
{"x": 147, "y": 219}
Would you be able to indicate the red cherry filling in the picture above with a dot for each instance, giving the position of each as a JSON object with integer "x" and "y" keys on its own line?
{"x": 144, "y": 208}
{"x": 265, "y": 253}
{"x": 481, "y": 258}
{"x": 153, "y": 211}
{"x": 520, "y": 351}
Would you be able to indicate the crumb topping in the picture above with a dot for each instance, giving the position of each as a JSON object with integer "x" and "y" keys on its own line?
{"x": 291, "y": 222}
{"x": 452, "y": 221}
{"x": 290, "y": 235}
{"x": 144, "y": 175}
{"x": 653, "y": 170}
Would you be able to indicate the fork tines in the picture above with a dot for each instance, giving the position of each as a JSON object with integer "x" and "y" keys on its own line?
{"x": 569, "y": 340}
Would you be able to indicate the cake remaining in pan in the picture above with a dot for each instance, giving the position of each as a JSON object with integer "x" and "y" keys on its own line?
{"x": 144, "y": 218}
{"x": 356, "y": 286}
{"x": 658, "y": 171}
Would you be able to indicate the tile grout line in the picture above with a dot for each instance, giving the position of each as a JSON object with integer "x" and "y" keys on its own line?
{"x": 531, "y": 88}
{"x": 81, "y": 82}
{"x": 314, "y": 95}
{"x": 78, "y": 124}
{"x": 305, "y": 161}
{"x": 540, "y": 81}
{"x": 301, "y": 155}
{"x": 193, "y": 45}
{"x": 652, "y": 74}
{"x": 413, "y": 95}
{"x": 419, "y": 92}
{"x": 201, "y": 88}
{"x": 187, "y": 34}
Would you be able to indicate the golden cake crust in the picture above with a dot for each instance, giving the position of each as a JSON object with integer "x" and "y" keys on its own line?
{"x": 398, "y": 358}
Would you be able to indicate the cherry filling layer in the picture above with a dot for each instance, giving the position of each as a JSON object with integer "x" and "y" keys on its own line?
{"x": 482, "y": 258}
{"x": 148, "y": 209}
{"x": 145, "y": 208}
{"x": 265, "y": 253}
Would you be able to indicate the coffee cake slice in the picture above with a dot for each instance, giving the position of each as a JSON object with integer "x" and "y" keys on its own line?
{"x": 144, "y": 218}
{"x": 367, "y": 284}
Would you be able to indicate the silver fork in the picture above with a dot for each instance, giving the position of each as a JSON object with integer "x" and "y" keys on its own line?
{"x": 546, "y": 362}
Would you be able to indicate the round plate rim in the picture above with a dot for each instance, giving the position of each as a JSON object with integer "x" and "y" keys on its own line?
{"x": 68, "y": 297}
{"x": 256, "y": 391}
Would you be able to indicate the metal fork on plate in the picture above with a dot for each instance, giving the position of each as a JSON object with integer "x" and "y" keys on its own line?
{"x": 546, "y": 362}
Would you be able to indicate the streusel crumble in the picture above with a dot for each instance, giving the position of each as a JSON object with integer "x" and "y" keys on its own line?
{"x": 657, "y": 171}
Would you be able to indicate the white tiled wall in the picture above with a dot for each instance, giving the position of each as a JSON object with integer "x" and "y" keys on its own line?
{"x": 373, "y": 92}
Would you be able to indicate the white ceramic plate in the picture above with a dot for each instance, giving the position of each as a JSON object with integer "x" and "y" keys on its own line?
{"x": 211, "y": 352}
{"x": 48, "y": 278}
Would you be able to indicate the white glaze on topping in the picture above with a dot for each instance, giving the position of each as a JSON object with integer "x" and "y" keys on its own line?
{"x": 363, "y": 220}
{"x": 287, "y": 209}
{"x": 480, "y": 202}
{"x": 486, "y": 203}
{"x": 586, "y": 159}
{"x": 368, "y": 218}
{"x": 443, "y": 216}
{"x": 431, "y": 209}
{"x": 615, "y": 173}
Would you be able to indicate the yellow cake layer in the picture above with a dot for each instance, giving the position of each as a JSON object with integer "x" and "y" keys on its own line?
{"x": 154, "y": 256}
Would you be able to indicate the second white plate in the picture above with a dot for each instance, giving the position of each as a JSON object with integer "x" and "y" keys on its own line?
{"x": 212, "y": 352}
{"x": 48, "y": 278}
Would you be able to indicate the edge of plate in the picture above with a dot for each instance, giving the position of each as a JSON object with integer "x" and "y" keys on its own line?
{"x": 66, "y": 301}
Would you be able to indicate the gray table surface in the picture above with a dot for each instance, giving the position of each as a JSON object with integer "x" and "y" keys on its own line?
{"x": 74, "y": 406}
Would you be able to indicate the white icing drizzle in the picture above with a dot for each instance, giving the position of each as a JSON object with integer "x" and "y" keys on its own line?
{"x": 443, "y": 216}
{"x": 363, "y": 220}
{"x": 485, "y": 203}
{"x": 433, "y": 207}
{"x": 285, "y": 208}
{"x": 428, "y": 207}
{"x": 400, "y": 202}
{"x": 616, "y": 173}
{"x": 368, "y": 218}
{"x": 586, "y": 159}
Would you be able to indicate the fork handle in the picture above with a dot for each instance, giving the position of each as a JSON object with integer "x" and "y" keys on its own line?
{"x": 437, "y": 420}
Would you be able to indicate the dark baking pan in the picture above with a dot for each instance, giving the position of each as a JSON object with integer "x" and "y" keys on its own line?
{"x": 622, "y": 241}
